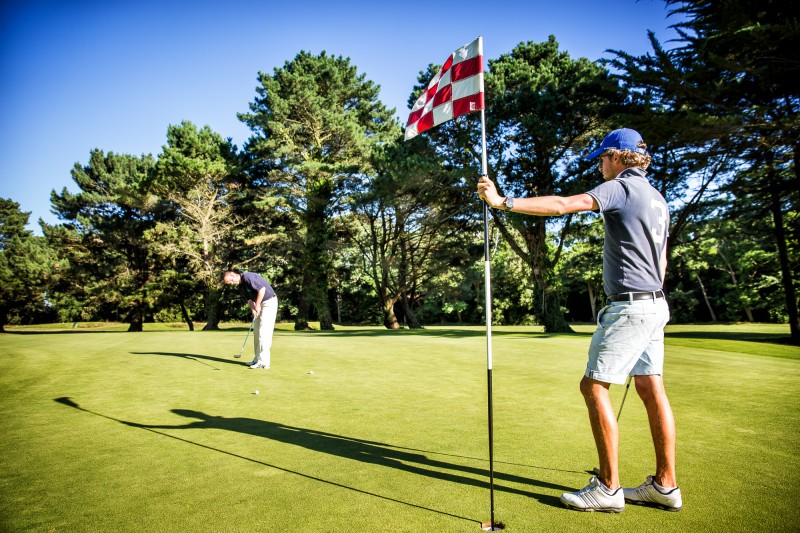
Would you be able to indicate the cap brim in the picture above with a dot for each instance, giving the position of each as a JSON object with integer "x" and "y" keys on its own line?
{"x": 594, "y": 154}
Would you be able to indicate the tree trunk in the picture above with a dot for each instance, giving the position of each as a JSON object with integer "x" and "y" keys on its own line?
{"x": 592, "y": 301}
{"x": 548, "y": 312}
{"x": 403, "y": 277}
{"x": 748, "y": 311}
{"x": 313, "y": 296}
{"x": 324, "y": 310}
{"x": 136, "y": 324}
{"x": 314, "y": 292}
{"x": 136, "y": 317}
{"x": 411, "y": 318}
{"x": 213, "y": 304}
{"x": 786, "y": 271}
{"x": 389, "y": 317}
{"x": 186, "y": 317}
{"x": 301, "y": 324}
{"x": 705, "y": 297}
{"x": 321, "y": 302}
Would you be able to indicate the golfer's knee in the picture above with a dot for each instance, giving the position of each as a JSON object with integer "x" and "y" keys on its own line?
{"x": 590, "y": 388}
{"x": 649, "y": 388}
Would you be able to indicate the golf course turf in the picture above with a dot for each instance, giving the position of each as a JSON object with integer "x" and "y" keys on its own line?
{"x": 364, "y": 429}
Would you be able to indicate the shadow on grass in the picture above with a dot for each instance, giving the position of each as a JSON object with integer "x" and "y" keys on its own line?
{"x": 749, "y": 336}
{"x": 372, "y": 452}
{"x": 455, "y": 332}
{"x": 196, "y": 357}
{"x": 60, "y": 332}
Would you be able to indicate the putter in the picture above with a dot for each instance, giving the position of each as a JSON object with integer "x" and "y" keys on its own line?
{"x": 627, "y": 386}
{"x": 245, "y": 338}
{"x": 596, "y": 471}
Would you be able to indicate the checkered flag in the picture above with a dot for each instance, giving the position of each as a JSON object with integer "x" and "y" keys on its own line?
{"x": 457, "y": 89}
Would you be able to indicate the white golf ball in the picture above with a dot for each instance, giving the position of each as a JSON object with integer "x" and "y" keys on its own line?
{"x": 256, "y": 391}
{"x": 310, "y": 371}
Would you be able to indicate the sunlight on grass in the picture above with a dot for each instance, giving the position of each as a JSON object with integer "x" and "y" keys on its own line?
{"x": 364, "y": 428}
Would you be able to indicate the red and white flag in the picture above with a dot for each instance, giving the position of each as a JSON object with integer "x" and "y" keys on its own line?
{"x": 457, "y": 89}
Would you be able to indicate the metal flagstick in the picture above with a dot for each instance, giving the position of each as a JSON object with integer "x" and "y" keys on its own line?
{"x": 418, "y": 111}
{"x": 492, "y": 525}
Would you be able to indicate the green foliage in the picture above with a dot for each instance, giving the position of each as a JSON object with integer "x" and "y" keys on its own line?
{"x": 513, "y": 300}
{"x": 730, "y": 88}
{"x": 197, "y": 173}
{"x": 28, "y": 269}
{"x": 454, "y": 296}
{"x": 352, "y": 224}
{"x": 414, "y": 230}
{"x": 581, "y": 267}
{"x": 545, "y": 107}
{"x": 737, "y": 265}
{"x": 12, "y": 222}
{"x": 315, "y": 122}
{"x": 103, "y": 240}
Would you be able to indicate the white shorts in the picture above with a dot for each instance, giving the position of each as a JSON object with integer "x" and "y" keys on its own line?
{"x": 629, "y": 340}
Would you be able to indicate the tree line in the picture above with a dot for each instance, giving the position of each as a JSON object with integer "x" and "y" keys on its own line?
{"x": 353, "y": 225}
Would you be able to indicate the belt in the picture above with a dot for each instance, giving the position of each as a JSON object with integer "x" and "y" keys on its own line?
{"x": 633, "y": 296}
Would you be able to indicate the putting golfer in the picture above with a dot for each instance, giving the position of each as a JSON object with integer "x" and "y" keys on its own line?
{"x": 263, "y": 303}
{"x": 629, "y": 339}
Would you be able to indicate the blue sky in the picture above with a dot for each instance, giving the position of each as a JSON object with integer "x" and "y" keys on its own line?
{"x": 82, "y": 74}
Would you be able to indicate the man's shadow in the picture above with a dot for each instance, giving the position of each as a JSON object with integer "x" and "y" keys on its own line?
{"x": 355, "y": 449}
{"x": 365, "y": 451}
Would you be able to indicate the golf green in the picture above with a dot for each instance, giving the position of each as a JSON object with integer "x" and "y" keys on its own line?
{"x": 364, "y": 429}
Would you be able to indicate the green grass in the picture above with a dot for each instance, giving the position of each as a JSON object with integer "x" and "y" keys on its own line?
{"x": 162, "y": 431}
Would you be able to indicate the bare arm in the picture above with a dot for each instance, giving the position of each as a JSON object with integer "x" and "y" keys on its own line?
{"x": 541, "y": 205}
{"x": 663, "y": 265}
{"x": 554, "y": 205}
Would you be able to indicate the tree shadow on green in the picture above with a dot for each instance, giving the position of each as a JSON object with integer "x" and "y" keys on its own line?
{"x": 749, "y": 336}
{"x": 438, "y": 332}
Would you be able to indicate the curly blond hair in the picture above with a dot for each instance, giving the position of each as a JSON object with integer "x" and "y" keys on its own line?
{"x": 630, "y": 158}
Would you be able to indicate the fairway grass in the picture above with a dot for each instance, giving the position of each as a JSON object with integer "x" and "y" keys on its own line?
{"x": 161, "y": 431}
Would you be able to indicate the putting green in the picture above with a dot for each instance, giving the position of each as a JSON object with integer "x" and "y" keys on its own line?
{"x": 104, "y": 430}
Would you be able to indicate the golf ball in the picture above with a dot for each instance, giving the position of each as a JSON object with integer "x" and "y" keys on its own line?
{"x": 256, "y": 391}
{"x": 310, "y": 371}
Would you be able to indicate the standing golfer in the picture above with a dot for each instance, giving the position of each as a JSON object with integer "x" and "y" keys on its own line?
{"x": 263, "y": 303}
{"x": 629, "y": 339}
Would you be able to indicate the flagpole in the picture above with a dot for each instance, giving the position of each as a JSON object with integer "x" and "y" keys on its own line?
{"x": 488, "y": 306}
{"x": 430, "y": 110}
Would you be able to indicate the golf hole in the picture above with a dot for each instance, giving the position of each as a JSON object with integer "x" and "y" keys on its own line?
{"x": 498, "y": 526}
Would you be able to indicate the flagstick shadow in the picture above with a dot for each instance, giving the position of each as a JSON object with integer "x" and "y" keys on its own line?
{"x": 351, "y": 448}
{"x": 497, "y": 462}
{"x": 347, "y": 447}
{"x": 198, "y": 358}
{"x": 68, "y": 402}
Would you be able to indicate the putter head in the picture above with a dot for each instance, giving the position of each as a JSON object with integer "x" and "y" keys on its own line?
{"x": 238, "y": 355}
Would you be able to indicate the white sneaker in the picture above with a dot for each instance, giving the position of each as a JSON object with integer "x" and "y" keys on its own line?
{"x": 258, "y": 365}
{"x": 595, "y": 497}
{"x": 250, "y": 363}
{"x": 651, "y": 493}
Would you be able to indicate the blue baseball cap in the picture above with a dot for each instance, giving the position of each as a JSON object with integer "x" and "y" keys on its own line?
{"x": 621, "y": 139}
